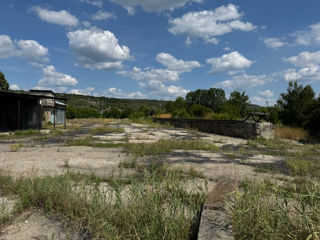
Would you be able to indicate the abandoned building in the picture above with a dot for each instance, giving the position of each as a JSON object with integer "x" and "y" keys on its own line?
{"x": 31, "y": 110}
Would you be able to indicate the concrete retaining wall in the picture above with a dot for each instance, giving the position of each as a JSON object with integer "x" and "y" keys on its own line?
{"x": 247, "y": 130}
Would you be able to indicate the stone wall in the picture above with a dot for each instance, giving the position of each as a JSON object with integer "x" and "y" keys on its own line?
{"x": 247, "y": 130}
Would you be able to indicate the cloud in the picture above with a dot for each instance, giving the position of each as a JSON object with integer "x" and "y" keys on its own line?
{"x": 14, "y": 87}
{"x": 53, "y": 78}
{"x": 154, "y": 79}
{"x": 263, "y": 101}
{"x": 153, "y": 5}
{"x": 103, "y": 15}
{"x": 119, "y": 93}
{"x": 174, "y": 68}
{"x": 209, "y": 24}
{"x": 87, "y": 91}
{"x": 176, "y": 65}
{"x": 96, "y": 3}
{"x": 244, "y": 81}
{"x": 57, "y": 17}
{"x": 159, "y": 89}
{"x": 309, "y": 67}
{"x": 267, "y": 93}
{"x": 308, "y": 37}
{"x": 162, "y": 75}
{"x": 30, "y": 50}
{"x": 98, "y": 49}
{"x": 304, "y": 59}
{"x": 266, "y": 98}
{"x": 230, "y": 62}
{"x": 308, "y": 73}
{"x": 7, "y": 48}
{"x": 274, "y": 43}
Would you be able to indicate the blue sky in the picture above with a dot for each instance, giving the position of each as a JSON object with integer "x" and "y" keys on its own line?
{"x": 160, "y": 49}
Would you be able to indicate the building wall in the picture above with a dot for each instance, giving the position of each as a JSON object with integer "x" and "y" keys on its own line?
{"x": 48, "y": 115}
{"x": 29, "y": 117}
{"x": 247, "y": 130}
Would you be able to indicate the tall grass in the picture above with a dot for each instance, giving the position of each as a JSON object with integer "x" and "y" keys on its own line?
{"x": 157, "y": 207}
{"x": 290, "y": 133}
{"x": 266, "y": 211}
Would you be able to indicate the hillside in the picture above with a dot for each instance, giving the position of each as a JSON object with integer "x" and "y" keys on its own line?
{"x": 102, "y": 103}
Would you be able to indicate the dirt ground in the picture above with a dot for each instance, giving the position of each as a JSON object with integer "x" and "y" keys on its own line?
{"x": 52, "y": 156}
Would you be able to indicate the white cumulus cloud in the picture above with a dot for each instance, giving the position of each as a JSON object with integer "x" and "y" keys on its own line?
{"x": 30, "y": 50}
{"x": 209, "y": 24}
{"x": 61, "y": 17}
{"x": 51, "y": 77}
{"x": 156, "y": 80}
{"x": 162, "y": 75}
{"x": 308, "y": 67}
{"x": 244, "y": 81}
{"x": 98, "y": 49}
{"x": 230, "y": 62}
{"x": 274, "y": 43}
{"x": 304, "y": 59}
{"x": 153, "y": 5}
{"x": 174, "y": 64}
{"x": 308, "y": 73}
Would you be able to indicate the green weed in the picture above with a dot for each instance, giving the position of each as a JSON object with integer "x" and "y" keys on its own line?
{"x": 156, "y": 207}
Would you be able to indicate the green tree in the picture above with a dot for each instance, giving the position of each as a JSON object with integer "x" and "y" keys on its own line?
{"x": 213, "y": 98}
{"x": 312, "y": 124}
{"x": 238, "y": 102}
{"x": 199, "y": 111}
{"x": 176, "y": 106}
{"x": 180, "y": 114}
{"x": 4, "y": 85}
{"x": 295, "y": 105}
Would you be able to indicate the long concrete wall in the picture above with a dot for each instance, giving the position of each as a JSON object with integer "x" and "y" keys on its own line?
{"x": 247, "y": 130}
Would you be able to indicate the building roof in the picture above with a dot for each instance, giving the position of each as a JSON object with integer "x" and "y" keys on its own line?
{"x": 28, "y": 95}
{"x": 43, "y": 92}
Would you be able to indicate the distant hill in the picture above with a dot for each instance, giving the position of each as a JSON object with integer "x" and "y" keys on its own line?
{"x": 102, "y": 103}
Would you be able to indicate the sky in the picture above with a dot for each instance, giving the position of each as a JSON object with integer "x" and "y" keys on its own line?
{"x": 160, "y": 49}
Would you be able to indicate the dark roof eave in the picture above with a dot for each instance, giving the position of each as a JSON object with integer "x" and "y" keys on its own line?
{"x": 6, "y": 93}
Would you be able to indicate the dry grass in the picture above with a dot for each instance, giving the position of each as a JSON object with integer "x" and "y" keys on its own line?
{"x": 164, "y": 115}
{"x": 290, "y": 133}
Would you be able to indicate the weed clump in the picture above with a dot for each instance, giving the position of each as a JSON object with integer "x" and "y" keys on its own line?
{"x": 267, "y": 211}
{"x": 155, "y": 207}
{"x": 15, "y": 147}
